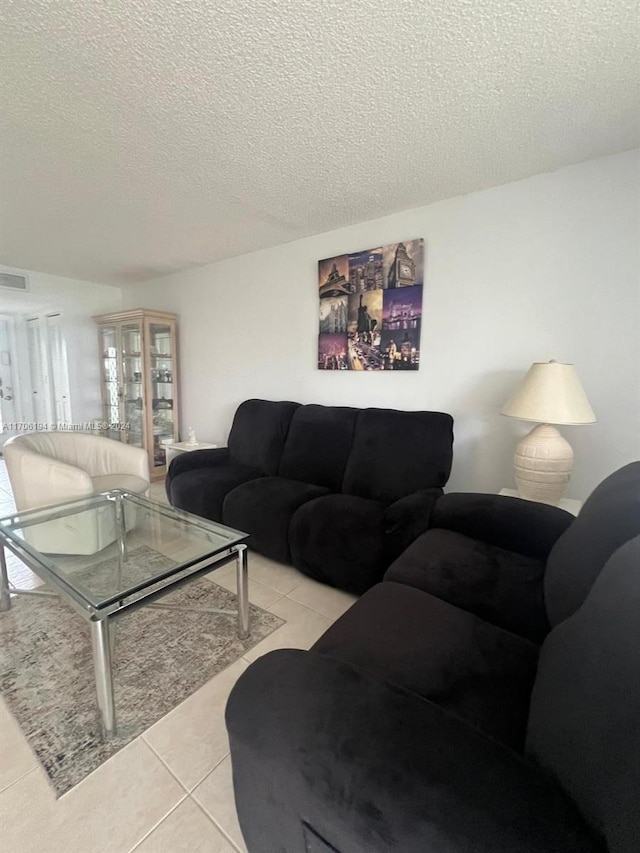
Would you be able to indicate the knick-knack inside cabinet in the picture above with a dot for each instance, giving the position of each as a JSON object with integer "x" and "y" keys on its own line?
{"x": 139, "y": 377}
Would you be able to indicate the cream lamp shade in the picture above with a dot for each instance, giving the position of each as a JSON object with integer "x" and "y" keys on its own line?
{"x": 550, "y": 393}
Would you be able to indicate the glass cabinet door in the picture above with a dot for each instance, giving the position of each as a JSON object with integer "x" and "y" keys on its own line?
{"x": 109, "y": 349}
{"x": 132, "y": 383}
{"x": 161, "y": 338}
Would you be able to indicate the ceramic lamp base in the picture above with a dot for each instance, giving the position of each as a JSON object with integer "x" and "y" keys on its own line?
{"x": 543, "y": 463}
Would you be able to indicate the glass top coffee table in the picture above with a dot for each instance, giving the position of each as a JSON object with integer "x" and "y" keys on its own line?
{"x": 156, "y": 548}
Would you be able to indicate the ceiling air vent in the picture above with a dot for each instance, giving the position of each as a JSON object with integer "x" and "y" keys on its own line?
{"x": 15, "y": 282}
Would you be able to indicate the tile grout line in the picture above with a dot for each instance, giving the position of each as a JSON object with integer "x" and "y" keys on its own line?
{"x": 163, "y": 762}
{"x": 210, "y": 816}
{"x": 20, "y": 778}
{"x": 209, "y": 772}
{"x": 186, "y": 788}
{"x": 156, "y": 825}
{"x": 312, "y": 609}
{"x": 215, "y": 822}
{"x": 308, "y": 607}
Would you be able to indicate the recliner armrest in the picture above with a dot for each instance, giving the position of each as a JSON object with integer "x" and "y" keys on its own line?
{"x": 324, "y": 752}
{"x": 197, "y": 459}
{"x": 406, "y": 519}
{"x": 525, "y": 527}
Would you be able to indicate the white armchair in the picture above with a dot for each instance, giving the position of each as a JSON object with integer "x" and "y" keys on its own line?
{"x": 47, "y": 468}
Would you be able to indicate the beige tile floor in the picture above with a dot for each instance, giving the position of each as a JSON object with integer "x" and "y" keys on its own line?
{"x": 170, "y": 789}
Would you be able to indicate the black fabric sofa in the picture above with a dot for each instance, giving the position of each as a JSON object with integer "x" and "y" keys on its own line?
{"x": 484, "y": 697}
{"x": 336, "y": 491}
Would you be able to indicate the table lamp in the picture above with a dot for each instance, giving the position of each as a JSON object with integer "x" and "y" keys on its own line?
{"x": 550, "y": 393}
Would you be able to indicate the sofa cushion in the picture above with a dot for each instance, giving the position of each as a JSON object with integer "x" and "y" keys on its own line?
{"x": 338, "y": 539}
{"x": 259, "y": 432}
{"x": 202, "y": 490}
{"x": 264, "y": 507}
{"x": 451, "y": 657}
{"x": 318, "y": 445}
{"x": 609, "y": 518}
{"x": 500, "y": 586}
{"x": 584, "y": 725}
{"x": 127, "y": 482}
{"x": 373, "y": 768}
{"x": 396, "y": 453}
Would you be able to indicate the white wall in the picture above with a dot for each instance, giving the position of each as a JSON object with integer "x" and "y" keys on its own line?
{"x": 77, "y": 301}
{"x": 539, "y": 269}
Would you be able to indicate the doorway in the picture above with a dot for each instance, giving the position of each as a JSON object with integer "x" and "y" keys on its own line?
{"x": 34, "y": 374}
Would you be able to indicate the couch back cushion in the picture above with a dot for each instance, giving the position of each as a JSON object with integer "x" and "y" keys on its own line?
{"x": 584, "y": 721}
{"x": 609, "y": 518}
{"x": 259, "y": 432}
{"x": 396, "y": 453}
{"x": 318, "y": 445}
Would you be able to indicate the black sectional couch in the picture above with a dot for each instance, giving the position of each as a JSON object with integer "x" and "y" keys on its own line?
{"x": 485, "y": 697}
{"x": 338, "y": 492}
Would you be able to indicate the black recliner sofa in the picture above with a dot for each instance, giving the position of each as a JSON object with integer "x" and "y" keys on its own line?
{"x": 338, "y": 492}
{"x": 484, "y": 697}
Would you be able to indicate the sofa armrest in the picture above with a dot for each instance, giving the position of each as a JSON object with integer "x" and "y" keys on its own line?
{"x": 406, "y": 519}
{"x": 126, "y": 459}
{"x": 328, "y": 756}
{"x": 525, "y": 527}
{"x": 102, "y": 457}
{"x": 197, "y": 459}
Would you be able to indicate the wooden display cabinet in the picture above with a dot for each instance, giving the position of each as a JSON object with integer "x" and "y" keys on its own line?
{"x": 139, "y": 377}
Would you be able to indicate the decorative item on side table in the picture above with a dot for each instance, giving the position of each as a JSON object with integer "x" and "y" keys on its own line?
{"x": 550, "y": 393}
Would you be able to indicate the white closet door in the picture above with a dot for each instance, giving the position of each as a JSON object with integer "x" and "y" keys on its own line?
{"x": 39, "y": 371}
{"x": 9, "y": 409}
{"x": 59, "y": 371}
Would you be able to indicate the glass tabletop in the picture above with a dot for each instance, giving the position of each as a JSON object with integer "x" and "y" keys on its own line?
{"x": 151, "y": 546}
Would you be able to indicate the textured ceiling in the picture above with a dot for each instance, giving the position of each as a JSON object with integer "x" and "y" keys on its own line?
{"x": 139, "y": 137}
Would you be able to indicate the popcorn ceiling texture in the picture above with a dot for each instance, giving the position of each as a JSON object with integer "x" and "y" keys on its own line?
{"x": 140, "y": 137}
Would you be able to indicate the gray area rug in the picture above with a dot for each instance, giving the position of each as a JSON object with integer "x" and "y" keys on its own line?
{"x": 160, "y": 658}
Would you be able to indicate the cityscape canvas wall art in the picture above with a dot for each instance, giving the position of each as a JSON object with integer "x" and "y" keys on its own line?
{"x": 371, "y": 308}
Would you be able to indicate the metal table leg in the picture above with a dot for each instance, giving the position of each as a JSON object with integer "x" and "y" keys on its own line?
{"x": 121, "y": 526}
{"x": 103, "y": 673}
{"x": 5, "y": 595}
{"x": 242, "y": 583}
